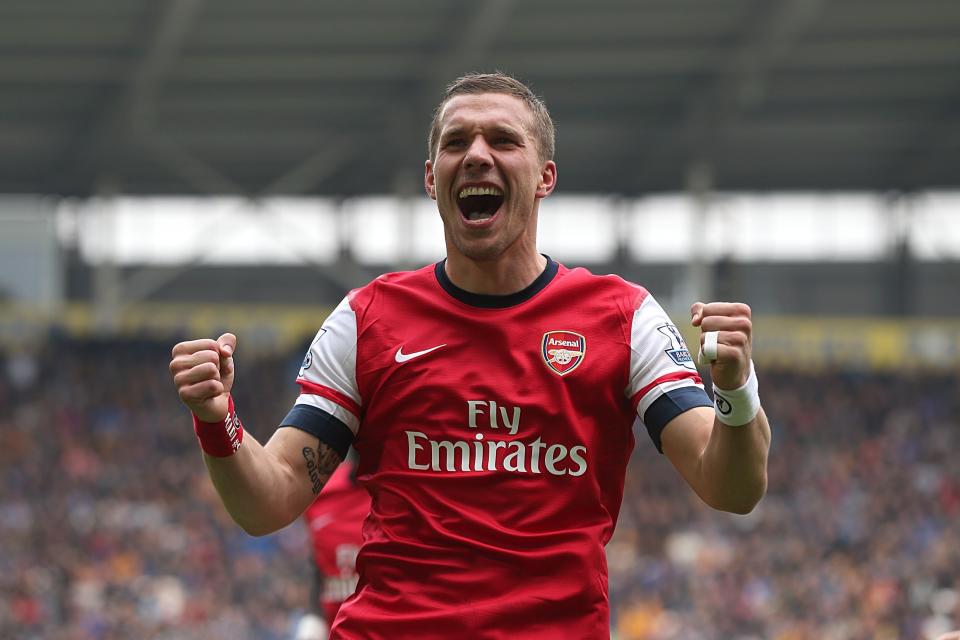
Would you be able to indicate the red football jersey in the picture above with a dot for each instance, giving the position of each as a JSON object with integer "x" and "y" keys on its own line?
{"x": 334, "y": 521}
{"x": 493, "y": 435}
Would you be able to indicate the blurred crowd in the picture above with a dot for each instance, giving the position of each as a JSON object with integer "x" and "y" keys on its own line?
{"x": 110, "y": 530}
{"x": 858, "y": 537}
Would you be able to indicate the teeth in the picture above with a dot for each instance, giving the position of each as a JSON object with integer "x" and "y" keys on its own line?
{"x": 476, "y": 215}
{"x": 479, "y": 191}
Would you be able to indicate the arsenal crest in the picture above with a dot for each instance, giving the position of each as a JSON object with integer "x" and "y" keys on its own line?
{"x": 563, "y": 351}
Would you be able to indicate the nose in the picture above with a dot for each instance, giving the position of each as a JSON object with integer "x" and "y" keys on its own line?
{"x": 478, "y": 154}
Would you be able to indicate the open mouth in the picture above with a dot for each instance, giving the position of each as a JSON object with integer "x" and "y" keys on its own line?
{"x": 479, "y": 203}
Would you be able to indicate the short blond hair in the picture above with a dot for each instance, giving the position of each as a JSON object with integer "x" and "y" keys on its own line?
{"x": 475, "y": 83}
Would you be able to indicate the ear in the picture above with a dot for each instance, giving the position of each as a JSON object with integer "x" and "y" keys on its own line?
{"x": 429, "y": 181}
{"x": 548, "y": 179}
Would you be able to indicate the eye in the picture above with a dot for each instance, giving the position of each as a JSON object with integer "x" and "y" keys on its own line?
{"x": 453, "y": 143}
{"x": 501, "y": 141}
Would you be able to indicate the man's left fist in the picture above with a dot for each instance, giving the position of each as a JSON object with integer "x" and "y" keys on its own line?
{"x": 729, "y": 349}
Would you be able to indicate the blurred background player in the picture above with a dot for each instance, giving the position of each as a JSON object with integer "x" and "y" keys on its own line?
{"x": 334, "y": 522}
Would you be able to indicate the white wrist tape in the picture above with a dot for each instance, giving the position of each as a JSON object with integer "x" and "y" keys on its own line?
{"x": 708, "y": 352}
{"x": 737, "y": 407}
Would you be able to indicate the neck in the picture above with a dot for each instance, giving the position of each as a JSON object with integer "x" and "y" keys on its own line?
{"x": 503, "y": 275}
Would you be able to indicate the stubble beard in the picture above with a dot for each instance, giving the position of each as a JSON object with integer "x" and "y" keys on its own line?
{"x": 482, "y": 254}
{"x": 480, "y": 249}
{"x": 493, "y": 244}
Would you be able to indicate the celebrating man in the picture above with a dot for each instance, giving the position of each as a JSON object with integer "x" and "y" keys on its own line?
{"x": 490, "y": 398}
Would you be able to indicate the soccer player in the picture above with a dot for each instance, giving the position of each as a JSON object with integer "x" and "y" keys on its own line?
{"x": 334, "y": 521}
{"x": 490, "y": 398}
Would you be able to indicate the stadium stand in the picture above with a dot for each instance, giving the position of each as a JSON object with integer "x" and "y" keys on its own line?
{"x": 110, "y": 529}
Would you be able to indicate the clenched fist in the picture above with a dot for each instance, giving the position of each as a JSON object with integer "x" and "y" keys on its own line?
{"x": 731, "y": 320}
{"x": 202, "y": 371}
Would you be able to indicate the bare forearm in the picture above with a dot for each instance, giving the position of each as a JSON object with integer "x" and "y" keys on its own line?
{"x": 734, "y": 465}
{"x": 257, "y": 489}
{"x": 265, "y": 488}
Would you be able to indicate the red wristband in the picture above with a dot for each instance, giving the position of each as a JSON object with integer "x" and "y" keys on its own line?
{"x": 220, "y": 439}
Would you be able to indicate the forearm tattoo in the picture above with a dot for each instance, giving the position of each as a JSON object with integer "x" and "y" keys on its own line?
{"x": 321, "y": 463}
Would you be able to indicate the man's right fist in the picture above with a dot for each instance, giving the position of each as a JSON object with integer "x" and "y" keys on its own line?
{"x": 203, "y": 374}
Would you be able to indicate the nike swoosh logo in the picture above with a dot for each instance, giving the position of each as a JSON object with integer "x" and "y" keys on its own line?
{"x": 403, "y": 357}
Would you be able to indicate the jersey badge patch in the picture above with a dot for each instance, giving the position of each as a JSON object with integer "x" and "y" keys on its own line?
{"x": 563, "y": 351}
{"x": 307, "y": 361}
{"x": 677, "y": 350}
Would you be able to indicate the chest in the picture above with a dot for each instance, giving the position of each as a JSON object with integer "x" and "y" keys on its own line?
{"x": 459, "y": 373}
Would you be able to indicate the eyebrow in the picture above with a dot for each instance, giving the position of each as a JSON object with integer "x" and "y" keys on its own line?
{"x": 497, "y": 129}
{"x": 452, "y": 131}
{"x": 505, "y": 130}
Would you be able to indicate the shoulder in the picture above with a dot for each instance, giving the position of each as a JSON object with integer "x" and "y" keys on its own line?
{"x": 389, "y": 284}
{"x": 609, "y": 286}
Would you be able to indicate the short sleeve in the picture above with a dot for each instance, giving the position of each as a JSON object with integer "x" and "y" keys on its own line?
{"x": 329, "y": 402}
{"x": 663, "y": 379}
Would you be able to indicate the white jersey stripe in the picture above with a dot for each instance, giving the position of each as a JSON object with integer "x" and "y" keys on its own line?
{"x": 332, "y": 359}
{"x": 657, "y": 353}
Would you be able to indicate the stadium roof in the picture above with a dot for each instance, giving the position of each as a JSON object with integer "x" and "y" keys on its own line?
{"x": 311, "y": 97}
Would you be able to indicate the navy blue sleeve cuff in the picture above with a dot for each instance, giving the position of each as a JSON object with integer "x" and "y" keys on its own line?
{"x": 669, "y": 406}
{"x": 330, "y": 430}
